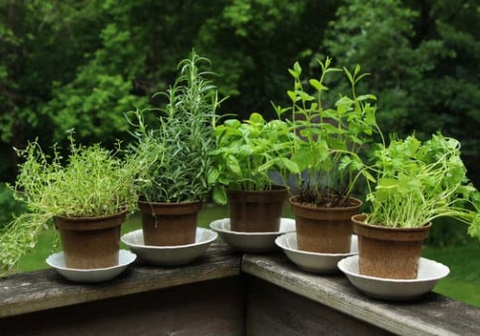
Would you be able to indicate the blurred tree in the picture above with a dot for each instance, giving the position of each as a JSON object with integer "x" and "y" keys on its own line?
{"x": 424, "y": 57}
{"x": 40, "y": 43}
{"x": 81, "y": 64}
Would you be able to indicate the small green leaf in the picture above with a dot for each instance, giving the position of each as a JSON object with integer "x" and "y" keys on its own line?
{"x": 213, "y": 176}
{"x": 317, "y": 85}
{"x": 367, "y": 96}
{"x": 219, "y": 194}
{"x": 349, "y": 75}
{"x": 290, "y": 165}
{"x": 234, "y": 166}
{"x": 306, "y": 97}
{"x": 293, "y": 73}
{"x": 292, "y": 95}
{"x": 357, "y": 70}
{"x": 297, "y": 68}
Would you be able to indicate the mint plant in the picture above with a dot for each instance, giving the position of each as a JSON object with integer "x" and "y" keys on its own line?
{"x": 93, "y": 182}
{"x": 420, "y": 182}
{"x": 179, "y": 145}
{"x": 247, "y": 152}
{"x": 332, "y": 137}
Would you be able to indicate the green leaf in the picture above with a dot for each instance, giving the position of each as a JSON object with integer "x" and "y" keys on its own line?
{"x": 367, "y": 96}
{"x": 290, "y": 165}
{"x": 357, "y": 70}
{"x": 213, "y": 176}
{"x": 297, "y": 68}
{"x": 306, "y": 97}
{"x": 219, "y": 194}
{"x": 234, "y": 166}
{"x": 256, "y": 118}
{"x": 349, "y": 75}
{"x": 361, "y": 76}
{"x": 293, "y": 73}
{"x": 317, "y": 85}
{"x": 303, "y": 157}
{"x": 292, "y": 95}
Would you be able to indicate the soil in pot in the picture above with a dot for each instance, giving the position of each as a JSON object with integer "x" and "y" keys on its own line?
{"x": 90, "y": 242}
{"x": 324, "y": 230}
{"x": 169, "y": 224}
{"x": 387, "y": 252}
{"x": 256, "y": 211}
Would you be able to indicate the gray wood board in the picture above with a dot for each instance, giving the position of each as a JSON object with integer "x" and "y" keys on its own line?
{"x": 209, "y": 308}
{"x": 433, "y": 314}
{"x": 274, "y": 311}
{"x": 34, "y": 291}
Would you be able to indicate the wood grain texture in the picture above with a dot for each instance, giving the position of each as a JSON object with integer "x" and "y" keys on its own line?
{"x": 274, "y": 311}
{"x": 431, "y": 315}
{"x": 210, "y": 308}
{"x": 34, "y": 291}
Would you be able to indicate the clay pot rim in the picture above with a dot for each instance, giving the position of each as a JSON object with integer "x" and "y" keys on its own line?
{"x": 275, "y": 189}
{"x": 387, "y": 228}
{"x": 337, "y": 209}
{"x": 172, "y": 204}
{"x": 91, "y": 218}
{"x": 217, "y": 226}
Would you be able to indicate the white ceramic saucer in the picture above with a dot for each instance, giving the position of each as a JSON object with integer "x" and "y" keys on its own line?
{"x": 429, "y": 272}
{"x": 57, "y": 261}
{"x": 313, "y": 261}
{"x": 251, "y": 242}
{"x": 170, "y": 255}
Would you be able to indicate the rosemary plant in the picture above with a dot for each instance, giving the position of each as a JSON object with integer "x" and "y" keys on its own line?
{"x": 179, "y": 145}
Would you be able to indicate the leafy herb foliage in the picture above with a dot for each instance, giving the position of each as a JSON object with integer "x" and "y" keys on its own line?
{"x": 419, "y": 182}
{"x": 247, "y": 152}
{"x": 94, "y": 182}
{"x": 177, "y": 149}
{"x": 331, "y": 137}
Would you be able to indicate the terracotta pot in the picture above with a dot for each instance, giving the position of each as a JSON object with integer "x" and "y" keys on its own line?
{"x": 256, "y": 211}
{"x": 90, "y": 242}
{"x": 324, "y": 230}
{"x": 169, "y": 224}
{"x": 387, "y": 252}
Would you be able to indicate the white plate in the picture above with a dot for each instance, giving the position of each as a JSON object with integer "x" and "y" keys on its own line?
{"x": 169, "y": 255}
{"x": 314, "y": 262}
{"x": 429, "y": 272}
{"x": 57, "y": 261}
{"x": 251, "y": 242}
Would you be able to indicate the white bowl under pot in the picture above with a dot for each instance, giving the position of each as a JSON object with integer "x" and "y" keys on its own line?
{"x": 251, "y": 242}
{"x": 429, "y": 273}
{"x": 170, "y": 255}
{"x": 314, "y": 262}
{"x": 57, "y": 261}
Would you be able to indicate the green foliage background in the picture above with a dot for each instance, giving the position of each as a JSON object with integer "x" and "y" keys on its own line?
{"x": 81, "y": 64}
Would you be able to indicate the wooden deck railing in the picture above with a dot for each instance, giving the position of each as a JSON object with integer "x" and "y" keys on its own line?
{"x": 223, "y": 293}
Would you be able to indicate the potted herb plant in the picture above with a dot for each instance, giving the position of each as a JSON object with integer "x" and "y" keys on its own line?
{"x": 416, "y": 184}
{"x": 87, "y": 197}
{"x": 172, "y": 188}
{"x": 246, "y": 154}
{"x": 328, "y": 148}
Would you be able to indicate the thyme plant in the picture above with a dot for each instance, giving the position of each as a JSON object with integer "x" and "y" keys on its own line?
{"x": 93, "y": 182}
{"x": 179, "y": 145}
{"x": 332, "y": 136}
{"x": 247, "y": 152}
{"x": 420, "y": 182}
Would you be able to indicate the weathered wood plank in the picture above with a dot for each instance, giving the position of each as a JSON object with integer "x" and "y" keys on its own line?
{"x": 432, "y": 315}
{"x": 274, "y": 311}
{"x": 212, "y": 308}
{"x": 34, "y": 291}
